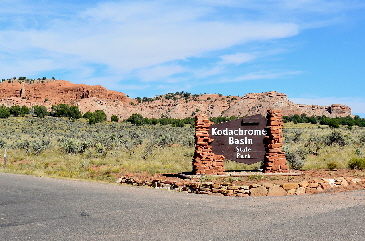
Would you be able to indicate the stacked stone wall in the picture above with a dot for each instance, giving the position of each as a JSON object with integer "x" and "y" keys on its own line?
{"x": 275, "y": 160}
{"x": 250, "y": 189}
{"x": 205, "y": 161}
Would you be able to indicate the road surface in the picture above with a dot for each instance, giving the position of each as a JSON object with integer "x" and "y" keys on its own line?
{"x": 39, "y": 208}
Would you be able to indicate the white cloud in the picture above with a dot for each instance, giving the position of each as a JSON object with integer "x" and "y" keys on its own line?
{"x": 263, "y": 75}
{"x": 237, "y": 58}
{"x": 117, "y": 42}
{"x": 141, "y": 34}
{"x": 157, "y": 72}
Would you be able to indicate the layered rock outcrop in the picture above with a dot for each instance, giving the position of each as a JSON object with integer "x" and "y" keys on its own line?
{"x": 91, "y": 98}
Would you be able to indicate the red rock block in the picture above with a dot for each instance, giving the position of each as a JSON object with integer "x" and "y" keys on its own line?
{"x": 268, "y": 164}
{"x": 275, "y": 123}
{"x": 289, "y": 185}
{"x": 258, "y": 191}
{"x": 325, "y": 186}
{"x": 276, "y": 145}
{"x": 311, "y": 190}
{"x": 273, "y": 132}
{"x": 275, "y": 150}
{"x": 313, "y": 185}
{"x": 276, "y": 191}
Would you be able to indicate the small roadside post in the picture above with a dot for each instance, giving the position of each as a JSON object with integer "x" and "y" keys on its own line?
{"x": 5, "y": 158}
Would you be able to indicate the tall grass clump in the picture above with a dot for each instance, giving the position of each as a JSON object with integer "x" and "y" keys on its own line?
{"x": 357, "y": 163}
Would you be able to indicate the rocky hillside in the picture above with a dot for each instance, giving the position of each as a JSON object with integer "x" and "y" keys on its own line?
{"x": 177, "y": 105}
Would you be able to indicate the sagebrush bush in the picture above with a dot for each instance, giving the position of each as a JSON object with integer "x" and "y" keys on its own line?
{"x": 295, "y": 157}
{"x": 357, "y": 163}
{"x": 2, "y": 143}
{"x": 105, "y": 151}
{"x": 332, "y": 165}
{"x": 336, "y": 137}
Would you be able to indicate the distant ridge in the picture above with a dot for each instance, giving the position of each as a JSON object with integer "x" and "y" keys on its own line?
{"x": 172, "y": 105}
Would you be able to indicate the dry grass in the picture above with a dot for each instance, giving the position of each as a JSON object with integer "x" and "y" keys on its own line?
{"x": 137, "y": 150}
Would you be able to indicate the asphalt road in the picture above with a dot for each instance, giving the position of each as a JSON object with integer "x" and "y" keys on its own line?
{"x": 39, "y": 208}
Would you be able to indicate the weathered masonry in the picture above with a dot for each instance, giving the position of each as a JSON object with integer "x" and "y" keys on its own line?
{"x": 246, "y": 140}
{"x": 275, "y": 160}
{"x": 205, "y": 161}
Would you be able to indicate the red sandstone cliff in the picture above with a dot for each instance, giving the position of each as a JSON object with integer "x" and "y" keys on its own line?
{"x": 91, "y": 98}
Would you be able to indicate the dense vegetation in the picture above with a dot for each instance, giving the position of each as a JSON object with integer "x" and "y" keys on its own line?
{"x": 61, "y": 142}
{"x": 310, "y": 146}
{"x": 68, "y": 148}
{"x": 60, "y": 110}
{"x": 25, "y": 80}
{"x": 323, "y": 120}
{"x": 179, "y": 95}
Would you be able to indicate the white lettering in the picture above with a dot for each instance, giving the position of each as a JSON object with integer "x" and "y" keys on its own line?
{"x": 240, "y": 132}
{"x": 237, "y": 132}
{"x": 214, "y": 131}
{"x": 257, "y": 132}
{"x": 246, "y": 149}
{"x": 225, "y": 132}
{"x": 243, "y": 141}
{"x": 243, "y": 156}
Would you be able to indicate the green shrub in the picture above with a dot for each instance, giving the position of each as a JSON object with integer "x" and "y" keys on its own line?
{"x": 15, "y": 110}
{"x": 114, "y": 118}
{"x": 95, "y": 117}
{"x": 40, "y": 111}
{"x": 358, "y": 152}
{"x": 100, "y": 116}
{"x": 332, "y": 165}
{"x": 64, "y": 110}
{"x": 296, "y": 157}
{"x": 336, "y": 137}
{"x": 2, "y": 143}
{"x": 357, "y": 163}
{"x": 36, "y": 147}
{"x": 4, "y": 112}
{"x": 72, "y": 146}
{"x": 24, "y": 110}
{"x": 135, "y": 119}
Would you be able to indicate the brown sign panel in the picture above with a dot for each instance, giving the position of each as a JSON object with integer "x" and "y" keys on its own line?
{"x": 240, "y": 140}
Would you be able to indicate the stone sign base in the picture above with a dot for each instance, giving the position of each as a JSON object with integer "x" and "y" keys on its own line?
{"x": 205, "y": 161}
{"x": 208, "y": 163}
{"x": 275, "y": 160}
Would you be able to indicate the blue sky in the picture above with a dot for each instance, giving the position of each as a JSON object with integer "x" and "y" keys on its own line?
{"x": 311, "y": 50}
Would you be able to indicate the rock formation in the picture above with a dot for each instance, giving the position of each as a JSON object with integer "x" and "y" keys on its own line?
{"x": 91, "y": 98}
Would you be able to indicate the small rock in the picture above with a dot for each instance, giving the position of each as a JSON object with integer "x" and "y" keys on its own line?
{"x": 289, "y": 185}
{"x": 276, "y": 191}
{"x": 258, "y": 191}
{"x": 309, "y": 190}
{"x": 313, "y": 185}
{"x": 356, "y": 180}
{"x": 303, "y": 183}
{"x": 300, "y": 191}
{"x": 291, "y": 192}
{"x": 344, "y": 183}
